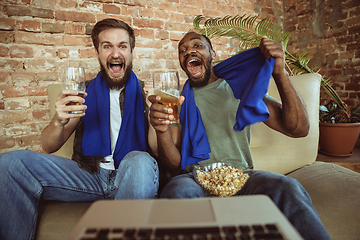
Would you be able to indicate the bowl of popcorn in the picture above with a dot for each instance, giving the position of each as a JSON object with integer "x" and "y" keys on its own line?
{"x": 221, "y": 179}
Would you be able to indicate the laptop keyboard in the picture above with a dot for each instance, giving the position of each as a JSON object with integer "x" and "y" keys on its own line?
{"x": 266, "y": 232}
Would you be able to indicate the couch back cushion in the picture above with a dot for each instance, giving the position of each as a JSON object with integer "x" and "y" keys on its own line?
{"x": 275, "y": 152}
{"x": 271, "y": 150}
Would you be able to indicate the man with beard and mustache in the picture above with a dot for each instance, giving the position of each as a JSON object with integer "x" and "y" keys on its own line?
{"x": 110, "y": 159}
{"x": 211, "y": 133}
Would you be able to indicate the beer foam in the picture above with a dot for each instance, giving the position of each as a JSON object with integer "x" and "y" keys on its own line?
{"x": 172, "y": 92}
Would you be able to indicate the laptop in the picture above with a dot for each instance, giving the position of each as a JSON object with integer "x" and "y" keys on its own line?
{"x": 233, "y": 218}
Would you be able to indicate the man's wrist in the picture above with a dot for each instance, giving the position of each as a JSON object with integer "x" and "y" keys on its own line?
{"x": 59, "y": 124}
{"x": 162, "y": 133}
{"x": 282, "y": 75}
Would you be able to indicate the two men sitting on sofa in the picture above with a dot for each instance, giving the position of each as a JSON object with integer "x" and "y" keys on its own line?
{"x": 111, "y": 164}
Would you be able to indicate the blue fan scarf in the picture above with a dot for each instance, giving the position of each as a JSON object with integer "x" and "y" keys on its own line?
{"x": 248, "y": 74}
{"x": 96, "y": 122}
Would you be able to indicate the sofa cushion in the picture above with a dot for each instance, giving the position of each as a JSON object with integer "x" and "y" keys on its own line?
{"x": 335, "y": 192}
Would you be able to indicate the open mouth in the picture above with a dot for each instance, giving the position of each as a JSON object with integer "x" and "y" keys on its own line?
{"x": 116, "y": 67}
{"x": 195, "y": 67}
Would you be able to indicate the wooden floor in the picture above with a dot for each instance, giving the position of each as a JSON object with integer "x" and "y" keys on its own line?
{"x": 352, "y": 162}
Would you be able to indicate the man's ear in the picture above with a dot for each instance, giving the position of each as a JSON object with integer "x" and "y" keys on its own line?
{"x": 213, "y": 54}
{"x": 97, "y": 53}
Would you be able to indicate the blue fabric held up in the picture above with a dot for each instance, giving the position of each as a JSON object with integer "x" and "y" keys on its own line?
{"x": 195, "y": 146}
{"x": 248, "y": 74}
{"x": 96, "y": 122}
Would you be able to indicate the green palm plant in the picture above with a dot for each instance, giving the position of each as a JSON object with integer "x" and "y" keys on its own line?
{"x": 248, "y": 31}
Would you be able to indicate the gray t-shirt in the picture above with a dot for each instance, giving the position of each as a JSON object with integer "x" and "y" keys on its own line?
{"x": 218, "y": 108}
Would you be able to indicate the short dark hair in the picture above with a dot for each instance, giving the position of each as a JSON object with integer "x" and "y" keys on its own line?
{"x": 206, "y": 38}
{"x": 108, "y": 23}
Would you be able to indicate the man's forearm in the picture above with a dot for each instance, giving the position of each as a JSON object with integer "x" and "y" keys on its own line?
{"x": 169, "y": 154}
{"x": 52, "y": 137}
{"x": 294, "y": 114}
{"x": 57, "y": 133}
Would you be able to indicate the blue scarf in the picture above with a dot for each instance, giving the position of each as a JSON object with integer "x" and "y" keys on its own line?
{"x": 248, "y": 74}
{"x": 96, "y": 122}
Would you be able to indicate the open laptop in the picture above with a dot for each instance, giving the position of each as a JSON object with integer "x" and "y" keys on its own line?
{"x": 233, "y": 218}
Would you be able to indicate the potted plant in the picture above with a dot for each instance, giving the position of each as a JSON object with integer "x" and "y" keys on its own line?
{"x": 333, "y": 114}
{"x": 339, "y": 128}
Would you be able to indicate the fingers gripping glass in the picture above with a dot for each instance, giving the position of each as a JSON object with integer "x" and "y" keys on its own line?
{"x": 166, "y": 85}
{"x": 74, "y": 78}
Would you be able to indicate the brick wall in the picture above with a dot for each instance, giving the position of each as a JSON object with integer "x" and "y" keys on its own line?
{"x": 39, "y": 37}
{"x": 330, "y": 30}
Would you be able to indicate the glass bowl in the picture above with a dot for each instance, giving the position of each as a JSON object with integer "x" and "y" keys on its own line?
{"x": 221, "y": 179}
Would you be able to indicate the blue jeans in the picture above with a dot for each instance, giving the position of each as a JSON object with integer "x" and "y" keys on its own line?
{"x": 27, "y": 176}
{"x": 286, "y": 192}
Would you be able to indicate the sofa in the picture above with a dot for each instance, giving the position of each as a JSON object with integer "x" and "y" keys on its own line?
{"x": 334, "y": 190}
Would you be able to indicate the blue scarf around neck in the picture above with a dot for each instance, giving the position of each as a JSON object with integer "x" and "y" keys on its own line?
{"x": 248, "y": 74}
{"x": 96, "y": 122}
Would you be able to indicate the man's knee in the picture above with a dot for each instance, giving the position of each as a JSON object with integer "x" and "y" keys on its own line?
{"x": 173, "y": 190}
{"x": 139, "y": 159}
{"x": 140, "y": 164}
{"x": 288, "y": 186}
{"x": 182, "y": 186}
{"x": 289, "y": 183}
{"x": 12, "y": 158}
{"x": 279, "y": 181}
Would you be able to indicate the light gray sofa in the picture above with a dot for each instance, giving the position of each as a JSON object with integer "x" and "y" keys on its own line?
{"x": 335, "y": 190}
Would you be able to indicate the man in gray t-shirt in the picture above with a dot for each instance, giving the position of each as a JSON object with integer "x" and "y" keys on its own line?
{"x": 218, "y": 106}
{"x": 216, "y": 103}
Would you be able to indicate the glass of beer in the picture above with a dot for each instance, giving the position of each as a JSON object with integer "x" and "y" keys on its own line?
{"x": 166, "y": 85}
{"x": 74, "y": 78}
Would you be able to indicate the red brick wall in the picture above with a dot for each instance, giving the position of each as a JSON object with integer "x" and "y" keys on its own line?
{"x": 39, "y": 37}
{"x": 330, "y": 30}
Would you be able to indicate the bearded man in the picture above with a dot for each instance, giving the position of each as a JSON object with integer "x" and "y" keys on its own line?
{"x": 215, "y": 124}
{"x": 110, "y": 159}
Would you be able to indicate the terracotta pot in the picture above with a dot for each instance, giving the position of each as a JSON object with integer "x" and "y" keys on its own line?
{"x": 338, "y": 139}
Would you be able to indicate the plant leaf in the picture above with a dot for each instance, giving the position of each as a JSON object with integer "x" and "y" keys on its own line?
{"x": 323, "y": 108}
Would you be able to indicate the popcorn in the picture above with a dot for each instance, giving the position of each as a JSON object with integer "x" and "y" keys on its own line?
{"x": 222, "y": 181}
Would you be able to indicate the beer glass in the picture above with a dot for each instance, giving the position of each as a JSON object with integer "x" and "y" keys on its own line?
{"x": 166, "y": 85}
{"x": 74, "y": 78}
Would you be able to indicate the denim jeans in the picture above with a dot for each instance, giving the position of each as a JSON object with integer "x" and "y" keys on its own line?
{"x": 27, "y": 176}
{"x": 286, "y": 192}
